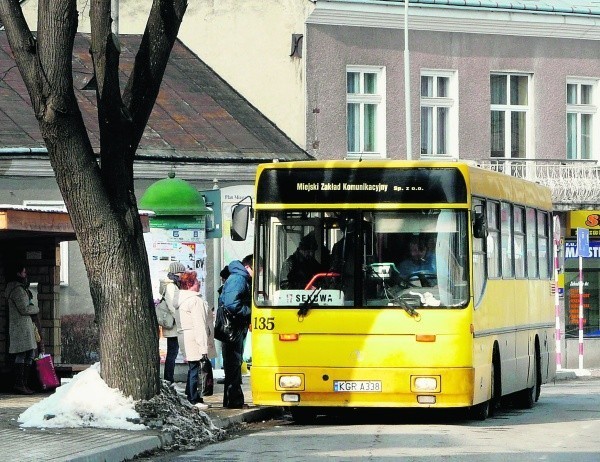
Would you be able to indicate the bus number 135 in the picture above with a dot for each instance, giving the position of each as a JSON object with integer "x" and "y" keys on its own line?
{"x": 264, "y": 323}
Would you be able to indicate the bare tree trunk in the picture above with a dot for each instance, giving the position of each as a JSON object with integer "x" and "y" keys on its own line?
{"x": 101, "y": 201}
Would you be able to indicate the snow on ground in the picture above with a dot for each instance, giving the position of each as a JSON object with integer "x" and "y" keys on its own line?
{"x": 85, "y": 401}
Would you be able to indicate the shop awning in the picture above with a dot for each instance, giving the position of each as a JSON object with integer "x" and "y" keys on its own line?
{"x": 20, "y": 222}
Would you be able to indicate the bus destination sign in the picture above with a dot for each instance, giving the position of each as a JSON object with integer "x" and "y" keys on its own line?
{"x": 364, "y": 185}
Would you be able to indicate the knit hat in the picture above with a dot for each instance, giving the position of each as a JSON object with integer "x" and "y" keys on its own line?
{"x": 176, "y": 267}
{"x": 308, "y": 242}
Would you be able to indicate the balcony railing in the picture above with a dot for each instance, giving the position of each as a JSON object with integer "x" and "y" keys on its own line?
{"x": 574, "y": 183}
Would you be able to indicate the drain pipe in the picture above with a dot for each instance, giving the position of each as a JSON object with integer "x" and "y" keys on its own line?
{"x": 114, "y": 8}
{"x": 23, "y": 151}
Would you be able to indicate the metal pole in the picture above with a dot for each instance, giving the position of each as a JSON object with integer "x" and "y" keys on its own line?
{"x": 580, "y": 312}
{"x": 217, "y": 265}
{"x": 557, "y": 303}
{"x": 114, "y": 7}
{"x": 407, "y": 86}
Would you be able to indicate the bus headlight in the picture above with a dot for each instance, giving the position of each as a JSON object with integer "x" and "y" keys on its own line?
{"x": 290, "y": 381}
{"x": 425, "y": 384}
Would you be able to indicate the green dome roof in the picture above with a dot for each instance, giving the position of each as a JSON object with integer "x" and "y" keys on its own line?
{"x": 172, "y": 196}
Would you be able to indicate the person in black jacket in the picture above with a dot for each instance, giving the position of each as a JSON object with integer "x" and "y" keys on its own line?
{"x": 235, "y": 297}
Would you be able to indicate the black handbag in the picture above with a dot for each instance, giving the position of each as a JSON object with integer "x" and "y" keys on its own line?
{"x": 206, "y": 377}
{"x": 226, "y": 329}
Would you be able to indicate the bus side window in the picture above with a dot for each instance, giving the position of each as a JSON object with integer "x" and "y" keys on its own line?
{"x": 480, "y": 234}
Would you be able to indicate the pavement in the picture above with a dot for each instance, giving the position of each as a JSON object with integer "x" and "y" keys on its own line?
{"x": 93, "y": 444}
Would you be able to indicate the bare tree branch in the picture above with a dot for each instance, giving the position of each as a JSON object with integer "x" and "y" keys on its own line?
{"x": 57, "y": 26}
{"x": 114, "y": 127}
{"x": 23, "y": 43}
{"x": 150, "y": 62}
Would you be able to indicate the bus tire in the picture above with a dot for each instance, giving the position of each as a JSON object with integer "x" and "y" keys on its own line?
{"x": 496, "y": 381}
{"x": 486, "y": 409}
{"x": 538, "y": 388}
{"x": 525, "y": 399}
{"x": 481, "y": 411}
{"x": 303, "y": 415}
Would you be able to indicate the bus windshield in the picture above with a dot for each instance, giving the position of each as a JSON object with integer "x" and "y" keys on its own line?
{"x": 363, "y": 259}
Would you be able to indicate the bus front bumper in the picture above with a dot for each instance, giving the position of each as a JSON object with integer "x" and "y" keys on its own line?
{"x": 363, "y": 387}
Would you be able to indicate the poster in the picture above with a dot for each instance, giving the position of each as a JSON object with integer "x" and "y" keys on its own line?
{"x": 187, "y": 246}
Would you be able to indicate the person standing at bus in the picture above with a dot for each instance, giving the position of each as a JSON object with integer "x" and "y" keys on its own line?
{"x": 169, "y": 289}
{"x": 224, "y": 274}
{"x": 197, "y": 328}
{"x": 299, "y": 268}
{"x": 236, "y": 299}
{"x": 21, "y": 332}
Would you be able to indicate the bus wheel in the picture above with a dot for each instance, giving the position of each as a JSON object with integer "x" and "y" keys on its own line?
{"x": 303, "y": 415}
{"x": 525, "y": 399}
{"x": 483, "y": 410}
{"x": 486, "y": 409}
{"x": 538, "y": 371}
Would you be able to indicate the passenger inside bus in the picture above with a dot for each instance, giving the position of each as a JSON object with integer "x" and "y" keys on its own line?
{"x": 299, "y": 268}
{"x": 343, "y": 256}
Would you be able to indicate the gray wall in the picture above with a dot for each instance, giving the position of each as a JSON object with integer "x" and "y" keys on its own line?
{"x": 331, "y": 48}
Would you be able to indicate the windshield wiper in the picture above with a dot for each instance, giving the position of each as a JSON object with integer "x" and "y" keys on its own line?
{"x": 412, "y": 312}
{"x": 309, "y": 303}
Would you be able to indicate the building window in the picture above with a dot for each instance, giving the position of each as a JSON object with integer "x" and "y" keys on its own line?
{"x": 581, "y": 108}
{"x": 509, "y": 95}
{"x": 365, "y": 103}
{"x": 64, "y": 246}
{"x": 438, "y": 114}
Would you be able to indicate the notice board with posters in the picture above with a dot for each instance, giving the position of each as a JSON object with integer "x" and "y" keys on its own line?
{"x": 187, "y": 246}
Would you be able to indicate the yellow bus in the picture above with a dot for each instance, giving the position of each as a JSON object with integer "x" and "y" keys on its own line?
{"x": 399, "y": 284}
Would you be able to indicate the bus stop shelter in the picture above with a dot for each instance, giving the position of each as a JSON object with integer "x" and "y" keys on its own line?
{"x": 33, "y": 235}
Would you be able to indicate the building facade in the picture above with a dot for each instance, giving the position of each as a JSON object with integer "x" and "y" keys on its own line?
{"x": 512, "y": 86}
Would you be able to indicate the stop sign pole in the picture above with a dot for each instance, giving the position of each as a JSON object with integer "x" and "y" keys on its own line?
{"x": 583, "y": 250}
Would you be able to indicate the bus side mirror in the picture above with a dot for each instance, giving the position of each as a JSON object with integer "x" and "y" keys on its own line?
{"x": 480, "y": 229}
{"x": 240, "y": 217}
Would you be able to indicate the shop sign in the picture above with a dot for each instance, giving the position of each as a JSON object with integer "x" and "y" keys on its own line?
{"x": 571, "y": 249}
{"x": 589, "y": 219}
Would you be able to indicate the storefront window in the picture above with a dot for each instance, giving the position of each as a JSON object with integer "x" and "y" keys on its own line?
{"x": 591, "y": 291}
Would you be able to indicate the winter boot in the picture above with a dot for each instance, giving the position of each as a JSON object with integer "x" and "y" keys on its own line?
{"x": 20, "y": 381}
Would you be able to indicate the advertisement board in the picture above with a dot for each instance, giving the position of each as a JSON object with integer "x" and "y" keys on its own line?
{"x": 187, "y": 246}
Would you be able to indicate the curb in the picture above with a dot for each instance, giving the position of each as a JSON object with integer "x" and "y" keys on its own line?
{"x": 121, "y": 451}
{"x": 566, "y": 374}
{"x": 125, "y": 450}
{"x": 250, "y": 415}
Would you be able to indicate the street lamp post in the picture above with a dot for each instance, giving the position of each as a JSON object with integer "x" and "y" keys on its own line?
{"x": 407, "y": 86}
